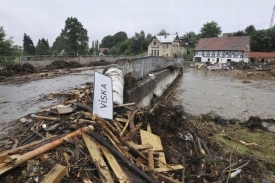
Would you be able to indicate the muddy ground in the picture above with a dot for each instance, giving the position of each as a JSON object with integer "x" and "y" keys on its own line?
{"x": 26, "y": 72}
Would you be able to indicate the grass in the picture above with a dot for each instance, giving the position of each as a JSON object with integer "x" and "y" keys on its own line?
{"x": 264, "y": 152}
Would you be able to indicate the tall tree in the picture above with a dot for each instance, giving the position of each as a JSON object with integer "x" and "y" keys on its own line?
{"x": 119, "y": 37}
{"x": 110, "y": 41}
{"x": 42, "y": 47}
{"x": 107, "y": 42}
{"x": 191, "y": 36}
{"x": 210, "y": 29}
{"x": 28, "y": 45}
{"x": 96, "y": 47}
{"x": 163, "y": 33}
{"x": 249, "y": 30}
{"x": 263, "y": 40}
{"x": 6, "y": 48}
{"x": 75, "y": 37}
{"x": 58, "y": 46}
{"x": 92, "y": 49}
{"x": 239, "y": 33}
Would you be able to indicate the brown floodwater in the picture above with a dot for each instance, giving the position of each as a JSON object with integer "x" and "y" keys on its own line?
{"x": 23, "y": 99}
{"x": 226, "y": 94}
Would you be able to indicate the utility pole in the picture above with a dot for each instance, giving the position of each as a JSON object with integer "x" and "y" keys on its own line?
{"x": 272, "y": 16}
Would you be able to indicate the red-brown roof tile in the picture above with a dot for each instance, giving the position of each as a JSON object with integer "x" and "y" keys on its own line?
{"x": 261, "y": 54}
{"x": 224, "y": 43}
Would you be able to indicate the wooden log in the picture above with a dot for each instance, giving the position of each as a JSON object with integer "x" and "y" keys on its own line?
{"x": 123, "y": 105}
{"x": 44, "y": 117}
{"x": 151, "y": 159}
{"x": 21, "y": 148}
{"x": 105, "y": 175}
{"x": 120, "y": 174}
{"x": 170, "y": 168}
{"x": 16, "y": 160}
{"x": 127, "y": 123}
{"x": 55, "y": 175}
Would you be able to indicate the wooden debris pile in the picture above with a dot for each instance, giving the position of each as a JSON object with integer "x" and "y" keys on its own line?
{"x": 68, "y": 144}
{"x": 161, "y": 143}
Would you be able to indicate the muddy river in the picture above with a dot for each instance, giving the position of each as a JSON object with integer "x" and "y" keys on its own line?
{"x": 228, "y": 95}
{"x": 200, "y": 92}
{"x": 23, "y": 99}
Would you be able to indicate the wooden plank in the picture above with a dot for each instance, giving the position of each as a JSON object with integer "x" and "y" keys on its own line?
{"x": 55, "y": 175}
{"x": 154, "y": 140}
{"x": 161, "y": 160}
{"x": 105, "y": 175}
{"x": 86, "y": 180}
{"x": 139, "y": 147}
{"x": 150, "y": 159}
{"x": 149, "y": 129}
{"x": 169, "y": 168}
{"x": 121, "y": 120}
{"x": 132, "y": 125}
{"x": 120, "y": 174}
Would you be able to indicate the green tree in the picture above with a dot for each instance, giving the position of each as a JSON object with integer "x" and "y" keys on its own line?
{"x": 42, "y": 47}
{"x": 28, "y": 45}
{"x": 106, "y": 52}
{"x": 263, "y": 40}
{"x": 58, "y": 45}
{"x": 75, "y": 37}
{"x": 92, "y": 49}
{"x": 239, "y": 33}
{"x": 210, "y": 29}
{"x": 191, "y": 36}
{"x": 110, "y": 41}
{"x": 96, "y": 47}
{"x": 119, "y": 37}
{"x": 6, "y": 48}
{"x": 249, "y": 30}
{"x": 163, "y": 33}
{"x": 107, "y": 42}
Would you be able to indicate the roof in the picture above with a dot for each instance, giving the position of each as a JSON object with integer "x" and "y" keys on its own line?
{"x": 261, "y": 54}
{"x": 223, "y": 43}
{"x": 102, "y": 49}
{"x": 167, "y": 38}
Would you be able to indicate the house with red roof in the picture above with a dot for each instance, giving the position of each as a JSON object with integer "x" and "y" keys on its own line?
{"x": 223, "y": 49}
{"x": 261, "y": 56}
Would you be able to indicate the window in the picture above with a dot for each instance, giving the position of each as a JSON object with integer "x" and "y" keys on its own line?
{"x": 155, "y": 43}
{"x": 154, "y": 52}
{"x": 157, "y": 52}
{"x": 167, "y": 46}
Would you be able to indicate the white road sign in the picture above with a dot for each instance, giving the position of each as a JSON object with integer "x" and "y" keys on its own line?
{"x": 103, "y": 96}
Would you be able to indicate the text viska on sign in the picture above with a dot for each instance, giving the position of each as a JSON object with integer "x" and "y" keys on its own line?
{"x": 103, "y": 96}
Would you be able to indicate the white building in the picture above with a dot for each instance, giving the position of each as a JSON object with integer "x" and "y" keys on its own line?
{"x": 223, "y": 49}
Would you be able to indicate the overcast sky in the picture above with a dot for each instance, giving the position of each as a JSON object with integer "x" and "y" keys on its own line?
{"x": 45, "y": 18}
